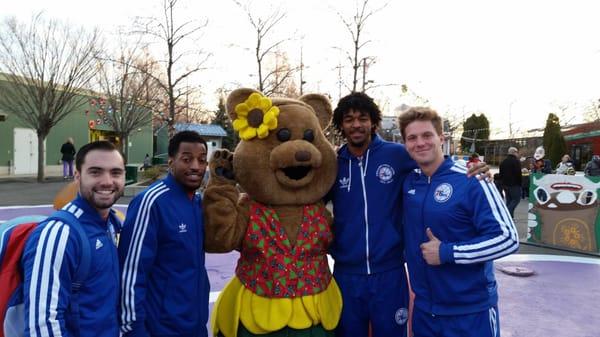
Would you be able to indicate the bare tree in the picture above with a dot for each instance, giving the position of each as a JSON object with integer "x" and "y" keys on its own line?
{"x": 48, "y": 65}
{"x": 131, "y": 93}
{"x": 592, "y": 113}
{"x": 271, "y": 77}
{"x": 356, "y": 27}
{"x": 190, "y": 108}
{"x": 280, "y": 78}
{"x": 173, "y": 35}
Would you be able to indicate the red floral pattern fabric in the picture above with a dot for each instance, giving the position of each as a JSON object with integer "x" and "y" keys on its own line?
{"x": 271, "y": 267}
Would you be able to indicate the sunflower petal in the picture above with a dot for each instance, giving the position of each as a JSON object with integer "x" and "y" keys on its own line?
{"x": 254, "y": 100}
{"x": 240, "y": 123}
{"x": 248, "y": 133}
{"x": 271, "y": 124}
{"x": 242, "y": 109}
{"x": 265, "y": 103}
{"x": 262, "y": 131}
{"x": 275, "y": 111}
{"x": 267, "y": 117}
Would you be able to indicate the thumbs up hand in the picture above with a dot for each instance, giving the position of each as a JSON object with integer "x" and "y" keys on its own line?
{"x": 431, "y": 249}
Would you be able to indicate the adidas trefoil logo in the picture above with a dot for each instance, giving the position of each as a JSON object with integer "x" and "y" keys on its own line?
{"x": 344, "y": 182}
{"x": 412, "y": 192}
{"x": 98, "y": 244}
{"x": 183, "y": 228}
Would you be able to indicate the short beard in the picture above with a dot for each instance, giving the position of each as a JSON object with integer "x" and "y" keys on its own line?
{"x": 357, "y": 145}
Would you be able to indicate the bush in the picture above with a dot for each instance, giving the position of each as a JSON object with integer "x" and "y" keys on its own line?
{"x": 151, "y": 173}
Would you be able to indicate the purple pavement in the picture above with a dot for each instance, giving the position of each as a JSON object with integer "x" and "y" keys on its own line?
{"x": 561, "y": 299}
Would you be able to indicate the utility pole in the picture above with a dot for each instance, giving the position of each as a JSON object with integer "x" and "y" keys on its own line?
{"x": 339, "y": 68}
{"x": 302, "y": 82}
{"x": 510, "y": 132}
{"x": 364, "y": 68}
{"x": 364, "y": 77}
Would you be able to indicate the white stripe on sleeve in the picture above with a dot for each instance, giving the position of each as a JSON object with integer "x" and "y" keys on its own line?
{"x": 130, "y": 266}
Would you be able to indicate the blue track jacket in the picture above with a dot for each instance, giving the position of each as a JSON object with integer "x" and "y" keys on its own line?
{"x": 50, "y": 260}
{"x": 164, "y": 281}
{"x": 366, "y": 200}
{"x": 471, "y": 220}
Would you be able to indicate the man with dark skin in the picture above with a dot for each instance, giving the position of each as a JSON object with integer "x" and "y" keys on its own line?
{"x": 163, "y": 278}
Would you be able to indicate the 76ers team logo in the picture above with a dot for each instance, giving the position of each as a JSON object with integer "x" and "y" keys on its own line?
{"x": 385, "y": 173}
{"x": 401, "y": 316}
{"x": 443, "y": 192}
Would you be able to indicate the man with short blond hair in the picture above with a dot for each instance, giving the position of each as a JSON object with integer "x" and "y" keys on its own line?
{"x": 454, "y": 227}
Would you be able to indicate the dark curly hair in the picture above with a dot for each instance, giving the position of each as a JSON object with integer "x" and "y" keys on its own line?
{"x": 358, "y": 101}
{"x": 186, "y": 136}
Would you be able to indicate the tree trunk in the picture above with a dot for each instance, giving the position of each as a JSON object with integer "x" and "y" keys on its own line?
{"x": 41, "y": 174}
{"x": 125, "y": 148}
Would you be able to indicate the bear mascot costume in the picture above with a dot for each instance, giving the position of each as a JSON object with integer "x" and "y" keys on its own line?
{"x": 285, "y": 166}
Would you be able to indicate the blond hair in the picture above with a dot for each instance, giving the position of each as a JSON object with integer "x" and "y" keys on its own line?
{"x": 419, "y": 113}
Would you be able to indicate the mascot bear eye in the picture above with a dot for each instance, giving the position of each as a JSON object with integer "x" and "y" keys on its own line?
{"x": 284, "y": 135}
{"x": 309, "y": 135}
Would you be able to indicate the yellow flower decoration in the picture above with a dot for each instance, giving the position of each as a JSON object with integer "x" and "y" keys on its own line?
{"x": 255, "y": 117}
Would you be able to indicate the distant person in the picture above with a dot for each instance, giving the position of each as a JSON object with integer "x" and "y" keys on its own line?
{"x": 541, "y": 165}
{"x": 592, "y": 168}
{"x": 68, "y": 154}
{"x": 565, "y": 166}
{"x": 147, "y": 163}
{"x": 525, "y": 171}
{"x": 454, "y": 227}
{"x": 474, "y": 159}
{"x": 498, "y": 185}
{"x": 510, "y": 173}
{"x": 164, "y": 283}
{"x": 54, "y": 304}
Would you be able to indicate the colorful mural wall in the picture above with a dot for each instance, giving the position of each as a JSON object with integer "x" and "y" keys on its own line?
{"x": 563, "y": 212}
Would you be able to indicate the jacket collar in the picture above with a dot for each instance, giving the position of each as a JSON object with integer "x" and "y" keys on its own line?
{"x": 81, "y": 208}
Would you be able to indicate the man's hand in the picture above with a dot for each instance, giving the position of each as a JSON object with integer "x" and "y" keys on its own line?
{"x": 431, "y": 249}
{"x": 482, "y": 168}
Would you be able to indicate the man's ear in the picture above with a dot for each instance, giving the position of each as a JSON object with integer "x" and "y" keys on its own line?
{"x": 322, "y": 108}
{"x": 236, "y": 97}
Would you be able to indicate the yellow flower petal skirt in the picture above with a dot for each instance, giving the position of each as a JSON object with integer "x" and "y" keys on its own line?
{"x": 262, "y": 315}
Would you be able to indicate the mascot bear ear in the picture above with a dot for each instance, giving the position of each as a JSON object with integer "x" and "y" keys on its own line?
{"x": 322, "y": 107}
{"x": 236, "y": 97}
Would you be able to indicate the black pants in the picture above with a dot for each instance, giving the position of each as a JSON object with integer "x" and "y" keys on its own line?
{"x": 513, "y": 196}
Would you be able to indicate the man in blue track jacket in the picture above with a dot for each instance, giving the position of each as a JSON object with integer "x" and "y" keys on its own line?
{"x": 454, "y": 228}
{"x": 54, "y": 251}
{"x": 164, "y": 281}
{"x": 367, "y": 246}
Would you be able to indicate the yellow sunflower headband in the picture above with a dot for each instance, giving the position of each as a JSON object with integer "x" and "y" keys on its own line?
{"x": 255, "y": 117}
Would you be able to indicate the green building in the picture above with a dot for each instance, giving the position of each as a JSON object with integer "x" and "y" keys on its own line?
{"x": 19, "y": 148}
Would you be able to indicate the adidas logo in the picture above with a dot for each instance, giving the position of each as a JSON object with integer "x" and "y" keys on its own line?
{"x": 344, "y": 182}
{"x": 412, "y": 192}
{"x": 183, "y": 228}
{"x": 98, "y": 244}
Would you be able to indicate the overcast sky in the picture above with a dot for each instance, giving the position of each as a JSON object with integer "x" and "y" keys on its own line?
{"x": 518, "y": 59}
